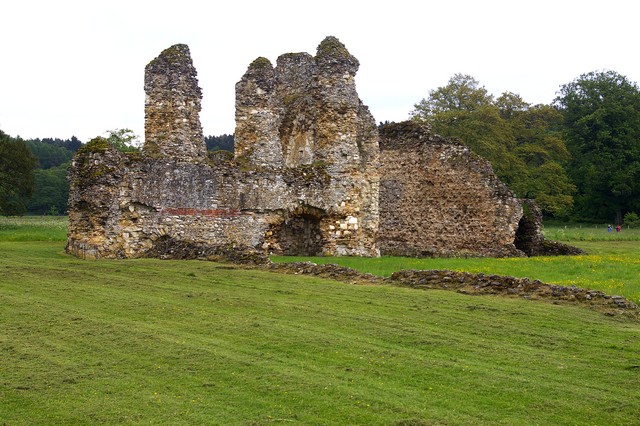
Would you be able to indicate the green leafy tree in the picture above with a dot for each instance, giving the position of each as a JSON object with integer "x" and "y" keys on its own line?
{"x": 124, "y": 140}
{"x": 511, "y": 105}
{"x": 632, "y": 220}
{"x": 465, "y": 110}
{"x": 602, "y": 130}
{"x": 220, "y": 143}
{"x": 49, "y": 155}
{"x": 537, "y": 131}
{"x": 522, "y": 142}
{"x": 462, "y": 93}
{"x": 51, "y": 191}
{"x": 16, "y": 175}
{"x": 51, "y": 186}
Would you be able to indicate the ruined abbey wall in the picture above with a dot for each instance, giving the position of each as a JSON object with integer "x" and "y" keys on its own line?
{"x": 129, "y": 206}
{"x": 311, "y": 175}
{"x": 172, "y": 107}
{"x": 439, "y": 199}
{"x": 298, "y": 184}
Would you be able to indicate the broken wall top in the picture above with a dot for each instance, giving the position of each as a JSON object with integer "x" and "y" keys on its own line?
{"x": 306, "y": 110}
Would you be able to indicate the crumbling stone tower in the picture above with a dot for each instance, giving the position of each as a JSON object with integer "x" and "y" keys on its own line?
{"x": 304, "y": 115}
{"x": 304, "y": 111}
{"x": 172, "y": 107}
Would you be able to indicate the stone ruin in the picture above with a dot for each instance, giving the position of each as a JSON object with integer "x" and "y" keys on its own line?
{"x": 311, "y": 175}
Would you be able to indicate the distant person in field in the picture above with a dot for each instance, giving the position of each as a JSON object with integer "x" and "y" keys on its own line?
{"x": 618, "y": 228}
{"x": 609, "y": 228}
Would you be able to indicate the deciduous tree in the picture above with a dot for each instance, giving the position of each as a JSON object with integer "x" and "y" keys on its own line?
{"x": 602, "y": 130}
{"x": 123, "y": 139}
{"x": 51, "y": 191}
{"x": 522, "y": 142}
{"x": 16, "y": 175}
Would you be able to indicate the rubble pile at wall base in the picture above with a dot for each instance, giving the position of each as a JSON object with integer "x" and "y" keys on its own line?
{"x": 468, "y": 283}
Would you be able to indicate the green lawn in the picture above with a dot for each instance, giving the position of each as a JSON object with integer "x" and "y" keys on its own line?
{"x": 611, "y": 262}
{"x": 190, "y": 342}
{"x": 33, "y": 228}
{"x": 573, "y": 232}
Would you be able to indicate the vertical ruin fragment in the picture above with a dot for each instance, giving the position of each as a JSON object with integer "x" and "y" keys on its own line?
{"x": 305, "y": 116}
{"x": 172, "y": 107}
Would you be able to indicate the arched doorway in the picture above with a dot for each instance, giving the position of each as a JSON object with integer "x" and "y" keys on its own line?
{"x": 300, "y": 233}
{"x": 301, "y": 236}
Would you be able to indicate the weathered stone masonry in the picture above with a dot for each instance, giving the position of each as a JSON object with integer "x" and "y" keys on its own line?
{"x": 439, "y": 199}
{"x": 172, "y": 107}
{"x": 304, "y": 180}
{"x": 310, "y": 175}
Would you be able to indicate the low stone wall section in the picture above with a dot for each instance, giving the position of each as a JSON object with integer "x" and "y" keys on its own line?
{"x": 469, "y": 283}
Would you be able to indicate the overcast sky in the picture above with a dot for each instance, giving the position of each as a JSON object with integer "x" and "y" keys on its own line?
{"x": 77, "y": 67}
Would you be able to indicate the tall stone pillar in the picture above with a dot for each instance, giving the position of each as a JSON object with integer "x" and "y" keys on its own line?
{"x": 172, "y": 107}
{"x": 257, "y": 121}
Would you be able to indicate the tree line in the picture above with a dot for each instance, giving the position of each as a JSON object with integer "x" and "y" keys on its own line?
{"x": 33, "y": 174}
{"x": 578, "y": 157}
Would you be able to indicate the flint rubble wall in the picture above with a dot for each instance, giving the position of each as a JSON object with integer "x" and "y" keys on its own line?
{"x": 439, "y": 199}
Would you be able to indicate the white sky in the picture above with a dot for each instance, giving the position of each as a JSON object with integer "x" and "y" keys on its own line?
{"x": 77, "y": 67}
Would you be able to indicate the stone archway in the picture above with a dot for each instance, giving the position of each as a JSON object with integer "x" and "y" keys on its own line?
{"x": 301, "y": 236}
{"x": 300, "y": 233}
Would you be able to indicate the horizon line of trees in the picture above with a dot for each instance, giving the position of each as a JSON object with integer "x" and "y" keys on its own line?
{"x": 578, "y": 157}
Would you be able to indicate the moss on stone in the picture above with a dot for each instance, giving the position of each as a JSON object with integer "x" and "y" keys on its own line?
{"x": 331, "y": 46}
{"x": 134, "y": 156}
{"x": 90, "y": 173}
{"x": 403, "y": 129}
{"x": 244, "y": 162}
{"x": 260, "y": 63}
{"x": 95, "y": 145}
{"x": 217, "y": 157}
{"x": 177, "y": 52}
{"x": 290, "y": 99}
{"x": 290, "y": 55}
{"x": 169, "y": 57}
{"x": 309, "y": 173}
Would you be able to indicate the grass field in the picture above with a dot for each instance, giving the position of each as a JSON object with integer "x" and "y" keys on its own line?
{"x": 33, "y": 228}
{"x": 189, "y": 342}
{"x": 576, "y": 232}
{"x": 612, "y": 262}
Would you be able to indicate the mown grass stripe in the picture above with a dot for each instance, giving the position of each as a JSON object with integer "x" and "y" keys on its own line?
{"x": 187, "y": 342}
